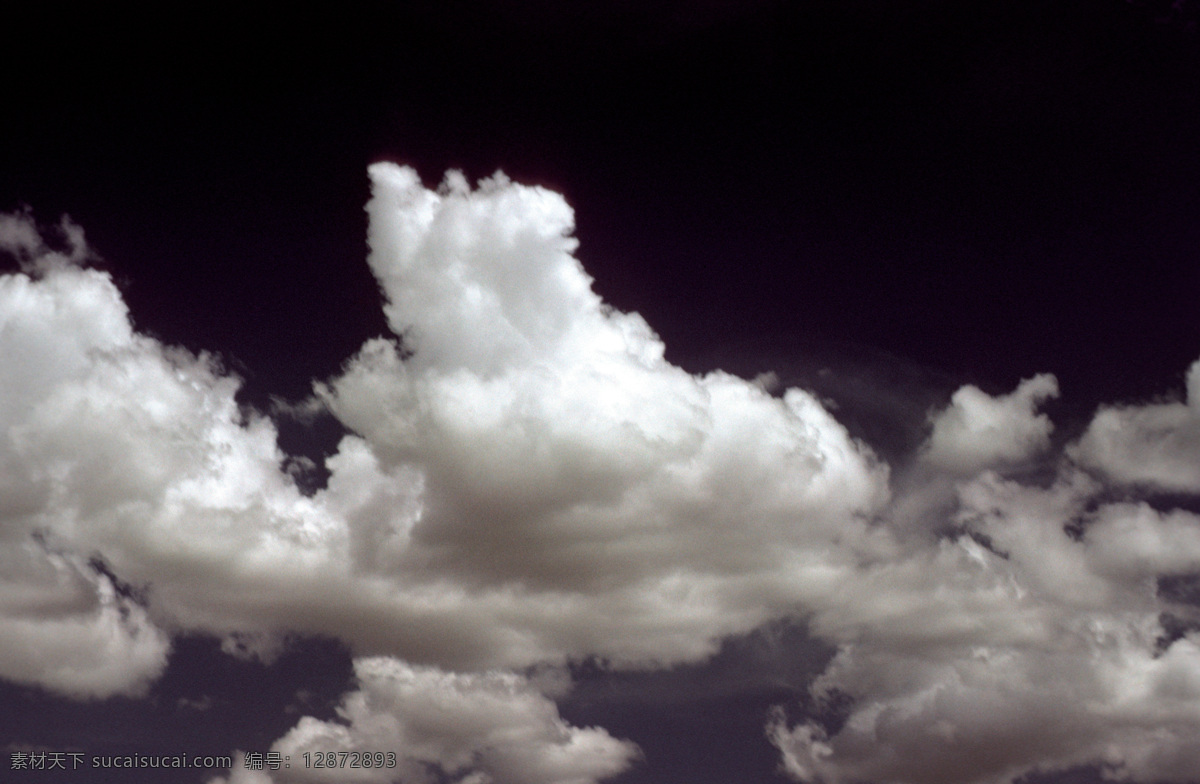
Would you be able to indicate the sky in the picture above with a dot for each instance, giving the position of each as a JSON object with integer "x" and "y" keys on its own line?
{"x": 564, "y": 393}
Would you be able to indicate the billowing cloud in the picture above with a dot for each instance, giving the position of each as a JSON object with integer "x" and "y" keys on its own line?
{"x": 21, "y": 238}
{"x": 479, "y": 728}
{"x": 593, "y": 497}
{"x": 989, "y": 714}
{"x": 530, "y": 480}
{"x": 527, "y": 481}
{"x": 64, "y": 627}
{"x": 1030, "y": 640}
{"x": 1155, "y": 445}
{"x": 119, "y": 449}
{"x": 540, "y": 486}
{"x": 977, "y": 430}
{"x": 1136, "y": 542}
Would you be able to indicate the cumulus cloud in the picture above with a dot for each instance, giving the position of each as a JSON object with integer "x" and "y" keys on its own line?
{"x": 991, "y": 715}
{"x": 65, "y": 627}
{"x": 479, "y": 728}
{"x": 1031, "y": 640}
{"x": 595, "y": 498}
{"x": 977, "y": 430}
{"x": 21, "y": 238}
{"x": 118, "y": 447}
{"x": 562, "y": 492}
{"x": 527, "y": 480}
{"x": 19, "y": 235}
{"x": 1135, "y": 541}
{"x": 974, "y": 432}
{"x": 1155, "y": 445}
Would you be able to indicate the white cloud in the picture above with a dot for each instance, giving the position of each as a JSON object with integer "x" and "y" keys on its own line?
{"x": 534, "y": 483}
{"x": 539, "y": 486}
{"x": 19, "y": 235}
{"x": 1155, "y": 445}
{"x": 21, "y": 238}
{"x": 529, "y": 481}
{"x": 977, "y": 430}
{"x": 485, "y": 728}
{"x": 65, "y": 628}
{"x": 114, "y": 445}
{"x": 594, "y": 497}
{"x": 977, "y": 665}
{"x": 988, "y": 715}
{"x": 1135, "y": 542}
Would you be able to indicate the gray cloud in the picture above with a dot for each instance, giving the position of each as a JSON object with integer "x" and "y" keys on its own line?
{"x": 477, "y": 728}
{"x": 21, "y": 238}
{"x": 1155, "y": 445}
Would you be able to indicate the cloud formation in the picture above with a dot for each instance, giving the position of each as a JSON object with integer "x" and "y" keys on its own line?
{"x": 977, "y": 430}
{"x": 527, "y": 481}
{"x": 599, "y": 499}
{"x": 1031, "y": 639}
{"x": 478, "y": 728}
{"x": 541, "y": 486}
{"x": 65, "y": 626}
{"x": 1156, "y": 446}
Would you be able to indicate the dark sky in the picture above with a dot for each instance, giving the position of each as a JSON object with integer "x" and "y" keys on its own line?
{"x": 995, "y": 189}
{"x": 916, "y": 195}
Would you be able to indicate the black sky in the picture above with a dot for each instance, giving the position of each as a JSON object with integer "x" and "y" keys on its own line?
{"x": 996, "y": 188}
{"x": 981, "y": 191}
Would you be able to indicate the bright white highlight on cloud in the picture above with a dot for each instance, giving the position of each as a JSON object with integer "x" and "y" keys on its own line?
{"x": 62, "y": 625}
{"x": 66, "y": 629}
{"x": 592, "y": 497}
{"x": 118, "y": 446}
{"x": 528, "y": 481}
